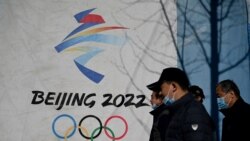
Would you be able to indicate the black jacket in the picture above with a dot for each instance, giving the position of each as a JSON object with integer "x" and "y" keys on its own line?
{"x": 236, "y": 123}
{"x": 189, "y": 121}
{"x": 160, "y": 122}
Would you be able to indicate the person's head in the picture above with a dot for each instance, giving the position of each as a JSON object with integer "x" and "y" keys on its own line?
{"x": 173, "y": 84}
{"x": 156, "y": 97}
{"x": 197, "y": 92}
{"x": 227, "y": 94}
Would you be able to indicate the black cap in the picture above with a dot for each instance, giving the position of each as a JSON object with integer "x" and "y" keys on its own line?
{"x": 169, "y": 75}
{"x": 153, "y": 87}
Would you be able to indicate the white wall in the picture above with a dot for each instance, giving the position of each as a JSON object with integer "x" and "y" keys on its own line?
{"x": 29, "y": 31}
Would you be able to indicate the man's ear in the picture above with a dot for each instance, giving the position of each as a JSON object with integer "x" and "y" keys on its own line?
{"x": 174, "y": 86}
{"x": 232, "y": 94}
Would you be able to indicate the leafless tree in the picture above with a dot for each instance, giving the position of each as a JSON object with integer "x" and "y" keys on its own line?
{"x": 204, "y": 25}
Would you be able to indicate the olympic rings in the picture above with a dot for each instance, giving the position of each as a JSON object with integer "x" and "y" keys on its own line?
{"x": 67, "y": 132}
{"x": 126, "y": 127}
{"x": 92, "y": 136}
{"x": 99, "y": 128}
{"x": 100, "y": 123}
{"x": 54, "y": 122}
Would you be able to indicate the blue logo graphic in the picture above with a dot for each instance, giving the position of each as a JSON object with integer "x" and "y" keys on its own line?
{"x": 83, "y": 34}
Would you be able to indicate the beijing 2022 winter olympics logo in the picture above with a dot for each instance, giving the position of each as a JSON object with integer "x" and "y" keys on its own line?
{"x": 81, "y": 34}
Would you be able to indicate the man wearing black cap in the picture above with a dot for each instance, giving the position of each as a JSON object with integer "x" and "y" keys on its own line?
{"x": 188, "y": 119}
{"x": 159, "y": 115}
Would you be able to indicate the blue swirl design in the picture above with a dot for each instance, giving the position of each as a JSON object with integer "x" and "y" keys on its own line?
{"x": 80, "y": 35}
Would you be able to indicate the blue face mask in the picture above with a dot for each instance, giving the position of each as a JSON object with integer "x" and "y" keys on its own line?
{"x": 167, "y": 100}
{"x": 154, "y": 106}
{"x": 222, "y": 103}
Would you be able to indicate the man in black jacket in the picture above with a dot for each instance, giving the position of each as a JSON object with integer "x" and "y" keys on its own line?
{"x": 188, "y": 119}
{"x": 159, "y": 115}
{"x": 236, "y": 123}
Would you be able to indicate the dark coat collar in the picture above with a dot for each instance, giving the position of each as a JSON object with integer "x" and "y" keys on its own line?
{"x": 158, "y": 110}
{"x": 182, "y": 101}
{"x": 234, "y": 109}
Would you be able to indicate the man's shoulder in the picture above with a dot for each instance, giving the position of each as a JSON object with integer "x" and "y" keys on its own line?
{"x": 196, "y": 107}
